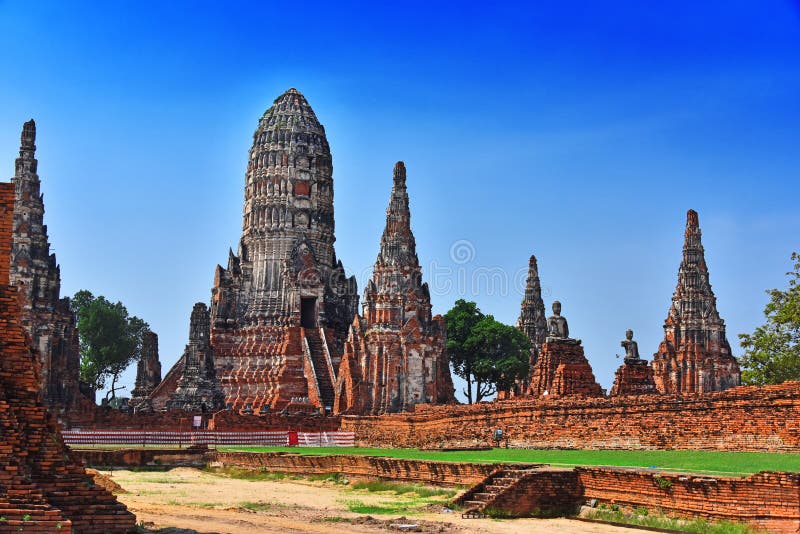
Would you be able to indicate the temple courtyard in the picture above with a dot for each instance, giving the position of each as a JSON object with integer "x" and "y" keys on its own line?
{"x": 208, "y": 501}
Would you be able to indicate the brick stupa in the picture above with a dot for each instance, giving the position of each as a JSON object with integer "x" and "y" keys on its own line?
{"x": 395, "y": 354}
{"x": 562, "y": 368}
{"x": 42, "y": 488}
{"x": 634, "y": 376}
{"x": 35, "y": 273}
{"x": 695, "y": 356}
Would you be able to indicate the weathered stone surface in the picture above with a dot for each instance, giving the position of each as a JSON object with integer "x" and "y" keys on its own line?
{"x": 42, "y": 488}
{"x": 695, "y": 355}
{"x": 394, "y": 355}
{"x": 148, "y": 369}
{"x": 281, "y": 308}
{"x": 46, "y": 317}
{"x": 198, "y": 388}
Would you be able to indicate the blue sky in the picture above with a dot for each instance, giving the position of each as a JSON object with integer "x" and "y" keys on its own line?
{"x": 581, "y": 134}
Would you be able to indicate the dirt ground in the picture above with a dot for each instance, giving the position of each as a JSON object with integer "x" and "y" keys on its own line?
{"x": 185, "y": 500}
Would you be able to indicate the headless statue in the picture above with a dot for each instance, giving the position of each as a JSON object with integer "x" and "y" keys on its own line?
{"x": 631, "y": 347}
{"x": 557, "y": 327}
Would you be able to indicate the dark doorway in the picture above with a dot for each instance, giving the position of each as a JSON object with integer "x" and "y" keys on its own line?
{"x": 308, "y": 312}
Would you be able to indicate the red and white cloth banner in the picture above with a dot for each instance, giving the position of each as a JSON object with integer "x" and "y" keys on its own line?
{"x": 207, "y": 437}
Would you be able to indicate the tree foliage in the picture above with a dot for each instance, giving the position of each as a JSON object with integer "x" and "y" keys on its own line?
{"x": 488, "y": 354}
{"x": 772, "y": 352}
{"x": 110, "y": 339}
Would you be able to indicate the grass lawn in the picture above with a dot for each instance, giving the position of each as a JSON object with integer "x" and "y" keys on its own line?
{"x": 728, "y": 463}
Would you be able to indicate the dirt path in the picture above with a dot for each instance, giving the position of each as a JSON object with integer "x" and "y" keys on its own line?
{"x": 208, "y": 503}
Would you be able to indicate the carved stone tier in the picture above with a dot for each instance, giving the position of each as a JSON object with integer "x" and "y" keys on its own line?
{"x": 563, "y": 370}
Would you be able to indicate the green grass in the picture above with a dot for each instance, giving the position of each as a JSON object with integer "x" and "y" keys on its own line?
{"x": 383, "y": 508}
{"x": 730, "y": 463}
{"x": 700, "y": 526}
{"x": 256, "y": 506}
{"x": 402, "y": 489}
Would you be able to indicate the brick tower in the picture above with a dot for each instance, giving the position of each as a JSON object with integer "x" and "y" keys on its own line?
{"x": 281, "y": 308}
{"x": 148, "y": 369}
{"x": 42, "y": 487}
{"x": 46, "y": 317}
{"x": 695, "y": 355}
{"x": 532, "y": 319}
{"x": 395, "y": 354}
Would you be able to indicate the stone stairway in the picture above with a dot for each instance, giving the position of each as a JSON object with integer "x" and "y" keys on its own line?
{"x": 481, "y": 496}
{"x": 317, "y": 348}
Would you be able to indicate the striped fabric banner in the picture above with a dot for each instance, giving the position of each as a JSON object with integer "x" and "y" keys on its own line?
{"x": 206, "y": 437}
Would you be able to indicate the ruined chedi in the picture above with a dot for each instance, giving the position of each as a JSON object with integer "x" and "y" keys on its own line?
{"x": 532, "y": 320}
{"x": 281, "y": 309}
{"x": 634, "y": 376}
{"x": 42, "y": 487}
{"x": 46, "y": 317}
{"x": 562, "y": 368}
{"x": 695, "y": 355}
{"x": 198, "y": 389}
{"x": 148, "y": 369}
{"x": 394, "y": 356}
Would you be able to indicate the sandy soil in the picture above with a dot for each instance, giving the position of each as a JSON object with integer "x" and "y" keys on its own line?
{"x": 207, "y": 503}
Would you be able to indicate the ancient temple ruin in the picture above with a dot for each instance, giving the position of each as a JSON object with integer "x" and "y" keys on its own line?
{"x": 148, "y": 369}
{"x": 42, "y": 487}
{"x": 281, "y": 308}
{"x": 532, "y": 320}
{"x": 394, "y": 356}
{"x": 562, "y": 368}
{"x": 634, "y": 376}
{"x": 46, "y": 317}
{"x": 695, "y": 355}
{"x": 197, "y": 388}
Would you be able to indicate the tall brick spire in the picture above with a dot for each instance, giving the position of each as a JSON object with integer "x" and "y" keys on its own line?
{"x": 532, "y": 319}
{"x": 394, "y": 356}
{"x": 695, "y": 355}
{"x": 35, "y": 273}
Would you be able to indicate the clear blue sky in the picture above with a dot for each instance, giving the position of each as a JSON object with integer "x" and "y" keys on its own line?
{"x": 580, "y": 134}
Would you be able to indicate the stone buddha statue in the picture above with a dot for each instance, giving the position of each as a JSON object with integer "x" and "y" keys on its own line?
{"x": 631, "y": 347}
{"x": 557, "y": 327}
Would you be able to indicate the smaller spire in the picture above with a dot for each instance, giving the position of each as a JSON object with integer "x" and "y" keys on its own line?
{"x": 532, "y": 320}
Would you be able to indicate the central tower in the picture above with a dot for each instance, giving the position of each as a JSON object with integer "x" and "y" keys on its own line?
{"x": 281, "y": 308}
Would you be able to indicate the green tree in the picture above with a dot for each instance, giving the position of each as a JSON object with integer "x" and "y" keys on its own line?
{"x": 487, "y": 354}
{"x": 460, "y": 321}
{"x": 110, "y": 339}
{"x": 772, "y": 352}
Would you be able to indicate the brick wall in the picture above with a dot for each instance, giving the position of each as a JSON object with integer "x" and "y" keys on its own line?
{"x": 768, "y": 500}
{"x": 429, "y": 472}
{"x": 741, "y": 419}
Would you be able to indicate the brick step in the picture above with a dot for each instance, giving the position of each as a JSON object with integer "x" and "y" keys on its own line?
{"x": 317, "y": 349}
{"x": 479, "y": 505}
{"x": 504, "y": 481}
{"x": 495, "y": 488}
{"x": 484, "y": 497}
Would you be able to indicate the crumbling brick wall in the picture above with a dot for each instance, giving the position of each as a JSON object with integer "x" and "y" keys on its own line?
{"x": 740, "y": 419}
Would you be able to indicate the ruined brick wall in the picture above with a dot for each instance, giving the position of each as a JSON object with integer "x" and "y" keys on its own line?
{"x": 767, "y": 500}
{"x": 41, "y": 485}
{"x": 741, "y": 419}
{"x": 428, "y": 472}
{"x": 547, "y": 493}
{"x": 563, "y": 370}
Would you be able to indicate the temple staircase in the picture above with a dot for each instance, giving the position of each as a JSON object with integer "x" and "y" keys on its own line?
{"x": 319, "y": 357}
{"x": 481, "y": 496}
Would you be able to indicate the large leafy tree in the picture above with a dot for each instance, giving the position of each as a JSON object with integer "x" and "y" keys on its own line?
{"x": 110, "y": 339}
{"x": 772, "y": 352}
{"x": 490, "y": 356}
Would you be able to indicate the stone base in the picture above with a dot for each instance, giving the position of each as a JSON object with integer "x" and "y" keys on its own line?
{"x": 561, "y": 370}
{"x": 634, "y": 377}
